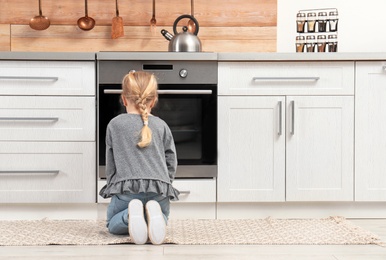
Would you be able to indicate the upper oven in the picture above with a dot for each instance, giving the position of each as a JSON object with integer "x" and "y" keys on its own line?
{"x": 187, "y": 102}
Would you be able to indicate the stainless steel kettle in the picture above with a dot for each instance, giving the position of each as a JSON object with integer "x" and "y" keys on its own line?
{"x": 183, "y": 41}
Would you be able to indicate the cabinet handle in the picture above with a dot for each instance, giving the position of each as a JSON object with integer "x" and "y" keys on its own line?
{"x": 29, "y": 172}
{"x": 292, "y": 117}
{"x": 29, "y": 78}
{"x": 167, "y": 91}
{"x": 384, "y": 68}
{"x": 184, "y": 192}
{"x": 286, "y": 78}
{"x": 280, "y": 117}
{"x": 29, "y": 119}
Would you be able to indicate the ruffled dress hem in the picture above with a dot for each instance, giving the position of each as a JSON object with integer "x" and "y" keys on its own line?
{"x": 139, "y": 186}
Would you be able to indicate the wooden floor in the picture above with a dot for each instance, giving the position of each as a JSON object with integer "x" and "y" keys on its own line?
{"x": 170, "y": 252}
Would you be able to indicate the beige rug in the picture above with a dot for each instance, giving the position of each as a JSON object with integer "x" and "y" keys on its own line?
{"x": 269, "y": 231}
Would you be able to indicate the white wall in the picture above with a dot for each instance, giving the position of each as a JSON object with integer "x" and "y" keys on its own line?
{"x": 361, "y": 28}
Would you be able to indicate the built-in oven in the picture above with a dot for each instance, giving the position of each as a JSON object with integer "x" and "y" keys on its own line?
{"x": 187, "y": 102}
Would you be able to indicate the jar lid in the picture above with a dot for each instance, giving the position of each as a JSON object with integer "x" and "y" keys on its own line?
{"x": 322, "y": 14}
{"x": 310, "y": 37}
{"x": 299, "y": 37}
{"x": 333, "y": 13}
{"x": 311, "y": 14}
{"x": 301, "y": 15}
{"x": 333, "y": 36}
{"x": 321, "y": 36}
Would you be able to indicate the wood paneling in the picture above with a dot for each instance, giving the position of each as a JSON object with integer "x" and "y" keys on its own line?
{"x": 224, "y": 27}
{"x": 138, "y": 38}
{"x": 138, "y": 12}
{"x": 5, "y": 37}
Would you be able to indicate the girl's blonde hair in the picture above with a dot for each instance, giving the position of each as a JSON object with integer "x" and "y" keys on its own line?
{"x": 141, "y": 88}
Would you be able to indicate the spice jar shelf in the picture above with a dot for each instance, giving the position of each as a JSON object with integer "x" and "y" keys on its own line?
{"x": 317, "y": 28}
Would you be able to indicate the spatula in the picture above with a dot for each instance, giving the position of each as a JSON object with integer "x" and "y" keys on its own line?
{"x": 117, "y": 29}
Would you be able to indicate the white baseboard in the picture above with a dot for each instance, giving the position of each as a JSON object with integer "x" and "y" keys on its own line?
{"x": 95, "y": 211}
{"x": 203, "y": 210}
{"x": 302, "y": 210}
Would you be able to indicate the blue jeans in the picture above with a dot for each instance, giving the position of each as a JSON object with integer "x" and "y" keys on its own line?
{"x": 117, "y": 211}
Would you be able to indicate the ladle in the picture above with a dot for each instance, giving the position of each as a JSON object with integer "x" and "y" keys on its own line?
{"x": 86, "y": 23}
{"x": 191, "y": 24}
{"x": 39, "y": 22}
{"x": 153, "y": 21}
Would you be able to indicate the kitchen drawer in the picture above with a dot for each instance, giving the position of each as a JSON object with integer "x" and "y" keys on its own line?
{"x": 42, "y": 172}
{"x": 47, "y": 78}
{"x": 194, "y": 190}
{"x": 47, "y": 118}
{"x": 286, "y": 78}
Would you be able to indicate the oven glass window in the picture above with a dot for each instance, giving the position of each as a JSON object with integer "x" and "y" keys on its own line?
{"x": 192, "y": 118}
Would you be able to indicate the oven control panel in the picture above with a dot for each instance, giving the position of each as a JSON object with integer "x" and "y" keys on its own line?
{"x": 167, "y": 72}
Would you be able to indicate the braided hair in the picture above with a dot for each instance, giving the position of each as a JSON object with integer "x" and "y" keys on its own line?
{"x": 141, "y": 88}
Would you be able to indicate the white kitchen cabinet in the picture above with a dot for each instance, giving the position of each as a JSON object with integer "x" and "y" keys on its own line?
{"x": 47, "y": 172}
{"x": 251, "y": 160}
{"x": 54, "y": 118}
{"x": 47, "y": 131}
{"x": 313, "y": 158}
{"x": 370, "y": 129}
{"x": 319, "y": 150}
{"x": 47, "y": 78}
{"x": 286, "y": 78}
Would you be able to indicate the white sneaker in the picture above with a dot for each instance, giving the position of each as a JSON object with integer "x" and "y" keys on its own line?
{"x": 137, "y": 223}
{"x": 156, "y": 222}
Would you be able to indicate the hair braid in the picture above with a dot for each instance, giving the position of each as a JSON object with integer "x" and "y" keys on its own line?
{"x": 141, "y": 88}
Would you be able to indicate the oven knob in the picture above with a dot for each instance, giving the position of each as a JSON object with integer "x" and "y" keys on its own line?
{"x": 183, "y": 73}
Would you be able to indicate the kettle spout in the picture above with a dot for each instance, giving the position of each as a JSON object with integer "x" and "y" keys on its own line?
{"x": 168, "y": 36}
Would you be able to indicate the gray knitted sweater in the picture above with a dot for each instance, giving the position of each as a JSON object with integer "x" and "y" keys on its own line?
{"x": 130, "y": 168}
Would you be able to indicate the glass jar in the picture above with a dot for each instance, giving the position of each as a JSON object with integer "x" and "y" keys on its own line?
{"x": 333, "y": 43}
{"x": 311, "y": 22}
{"x": 321, "y": 43}
{"x": 300, "y": 22}
{"x": 310, "y": 43}
{"x": 333, "y": 21}
{"x": 300, "y": 43}
{"x": 322, "y": 21}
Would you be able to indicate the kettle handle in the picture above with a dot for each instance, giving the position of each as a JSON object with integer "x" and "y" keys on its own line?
{"x": 182, "y": 17}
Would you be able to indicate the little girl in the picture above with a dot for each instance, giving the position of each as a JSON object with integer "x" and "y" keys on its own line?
{"x": 140, "y": 164}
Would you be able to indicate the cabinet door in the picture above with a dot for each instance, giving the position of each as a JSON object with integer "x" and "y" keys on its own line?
{"x": 370, "y": 128}
{"x": 251, "y": 160}
{"x": 47, "y": 172}
{"x": 320, "y": 149}
{"x": 44, "y": 78}
{"x": 25, "y": 118}
{"x": 286, "y": 78}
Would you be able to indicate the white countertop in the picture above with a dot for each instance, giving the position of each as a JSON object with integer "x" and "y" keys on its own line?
{"x": 70, "y": 56}
{"x": 337, "y": 56}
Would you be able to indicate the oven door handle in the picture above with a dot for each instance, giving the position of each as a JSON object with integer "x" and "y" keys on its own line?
{"x": 168, "y": 91}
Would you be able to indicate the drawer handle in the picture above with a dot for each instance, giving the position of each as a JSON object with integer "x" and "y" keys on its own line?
{"x": 167, "y": 91}
{"x": 280, "y": 118}
{"x": 29, "y": 78}
{"x": 29, "y": 172}
{"x": 286, "y": 78}
{"x": 184, "y": 192}
{"x": 292, "y": 117}
{"x": 29, "y": 119}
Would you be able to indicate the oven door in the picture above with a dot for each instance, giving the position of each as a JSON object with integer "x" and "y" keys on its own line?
{"x": 190, "y": 110}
